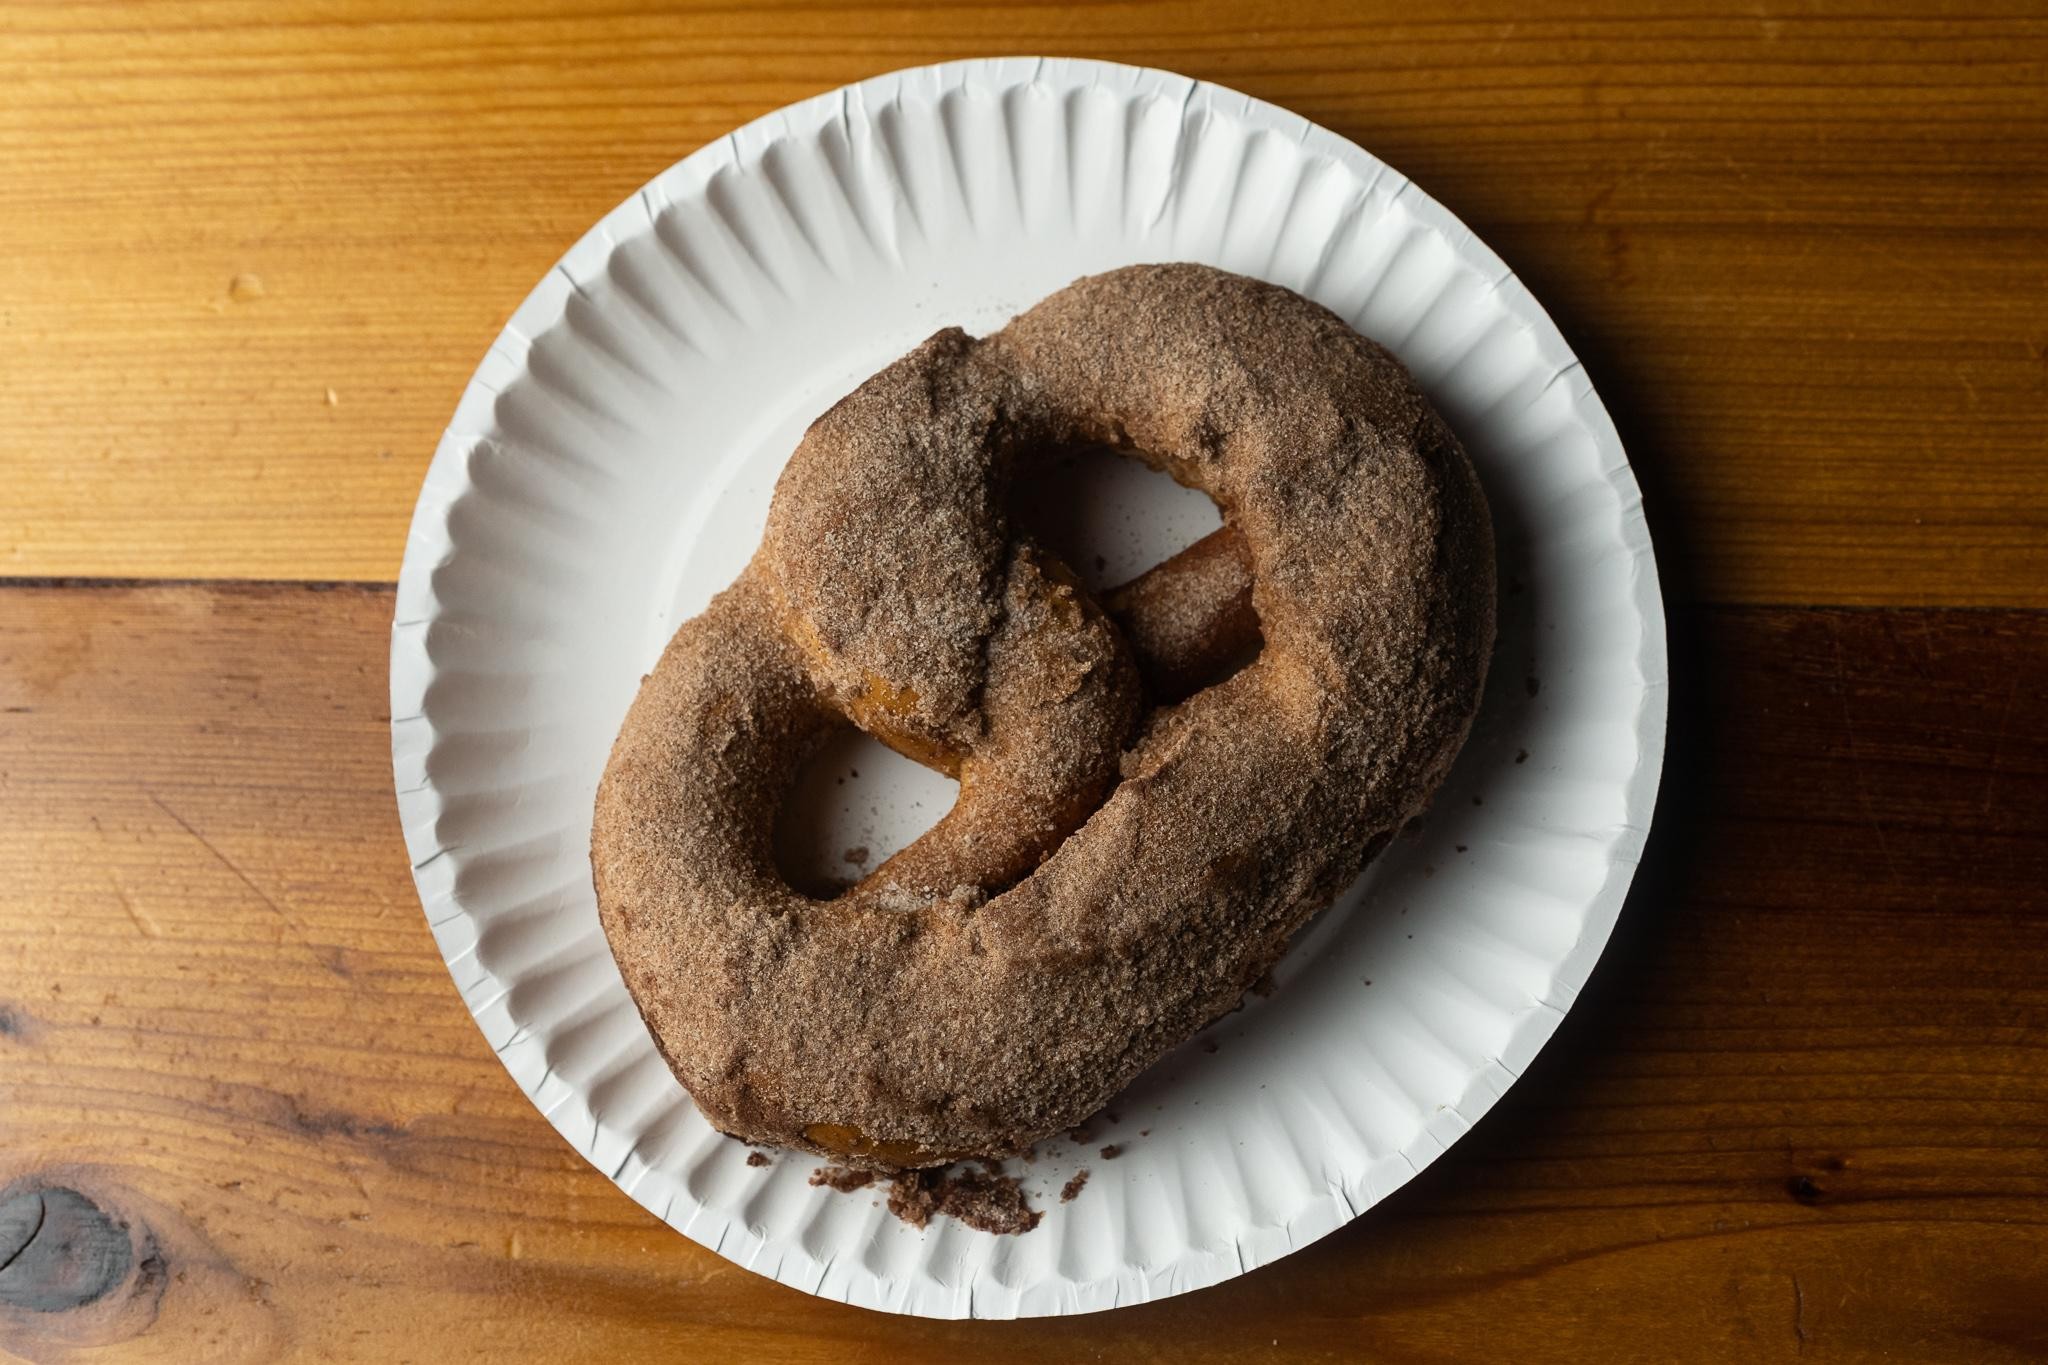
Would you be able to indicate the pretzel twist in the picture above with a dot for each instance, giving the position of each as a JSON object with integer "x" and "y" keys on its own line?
{"x": 1109, "y": 879}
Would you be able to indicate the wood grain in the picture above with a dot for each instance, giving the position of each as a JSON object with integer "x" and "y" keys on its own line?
{"x": 1798, "y": 1113}
{"x": 250, "y": 252}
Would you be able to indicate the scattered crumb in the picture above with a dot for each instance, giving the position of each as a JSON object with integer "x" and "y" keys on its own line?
{"x": 1368, "y": 981}
{"x": 1073, "y": 1187}
{"x": 857, "y": 855}
{"x": 1209, "y": 1045}
{"x": 1462, "y": 848}
{"x": 1144, "y": 1132}
{"x": 1111, "y": 1152}
{"x": 1521, "y": 755}
{"x": 985, "y": 1200}
{"x": 1429, "y": 869}
{"x": 759, "y": 1159}
{"x": 1265, "y": 985}
{"x": 1533, "y": 683}
{"x": 1112, "y": 1116}
{"x": 1478, "y": 800}
{"x": 1083, "y": 1132}
{"x": 243, "y": 288}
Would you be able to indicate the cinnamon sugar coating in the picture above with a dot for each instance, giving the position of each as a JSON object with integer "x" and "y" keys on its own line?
{"x": 1112, "y": 878}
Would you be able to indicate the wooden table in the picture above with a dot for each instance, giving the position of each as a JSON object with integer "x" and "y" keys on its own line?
{"x": 249, "y": 254}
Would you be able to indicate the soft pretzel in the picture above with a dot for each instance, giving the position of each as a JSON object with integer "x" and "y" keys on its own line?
{"x": 1110, "y": 879}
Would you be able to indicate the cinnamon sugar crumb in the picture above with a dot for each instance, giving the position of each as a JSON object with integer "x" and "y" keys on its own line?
{"x": 1073, "y": 1187}
{"x": 984, "y": 1199}
{"x": 1111, "y": 1152}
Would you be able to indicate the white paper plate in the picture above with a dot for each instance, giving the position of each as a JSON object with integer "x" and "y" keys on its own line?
{"x": 609, "y": 467}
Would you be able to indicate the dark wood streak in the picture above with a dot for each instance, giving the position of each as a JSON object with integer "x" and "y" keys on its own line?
{"x": 319, "y": 1123}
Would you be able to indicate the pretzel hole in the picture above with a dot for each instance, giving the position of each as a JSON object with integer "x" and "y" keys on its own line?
{"x": 855, "y": 802}
{"x": 1108, "y": 515}
{"x": 1149, "y": 550}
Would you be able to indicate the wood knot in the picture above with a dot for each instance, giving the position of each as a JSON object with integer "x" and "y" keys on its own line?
{"x": 14, "y": 1023}
{"x": 59, "y": 1250}
{"x": 1818, "y": 1178}
{"x": 88, "y": 1260}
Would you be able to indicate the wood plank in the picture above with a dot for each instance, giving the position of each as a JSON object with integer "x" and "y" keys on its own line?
{"x": 1802, "y": 253}
{"x": 1799, "y": 1109}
